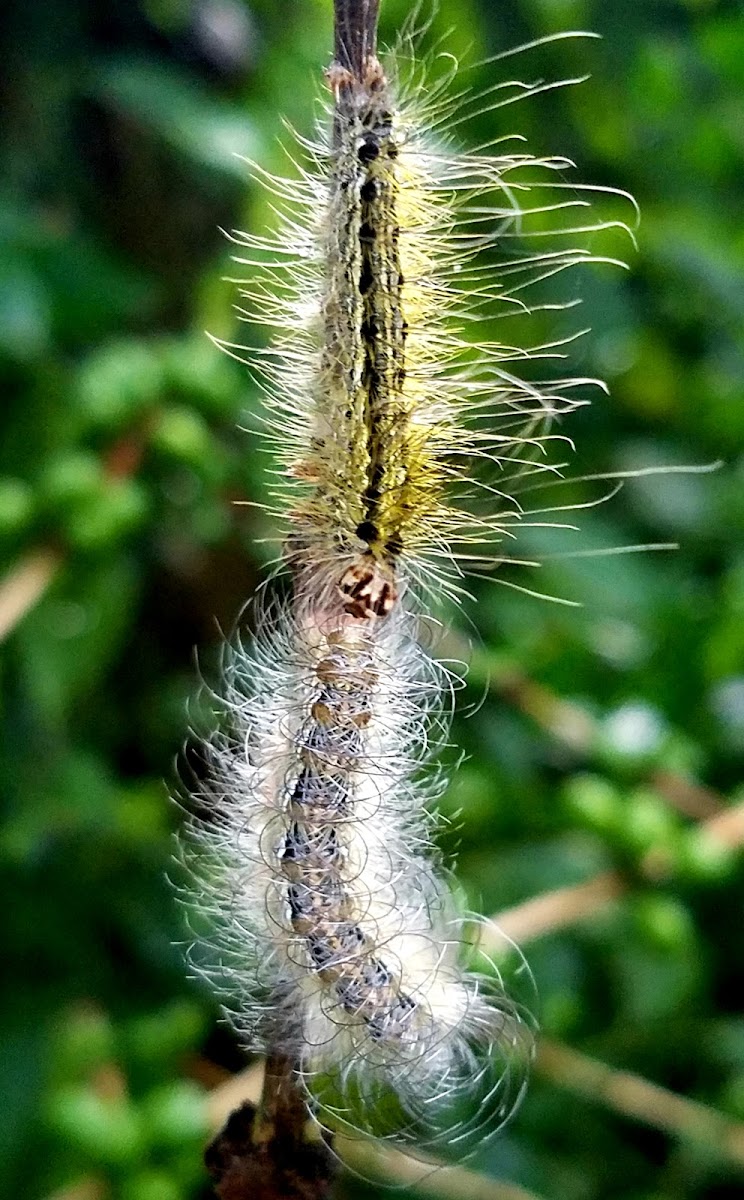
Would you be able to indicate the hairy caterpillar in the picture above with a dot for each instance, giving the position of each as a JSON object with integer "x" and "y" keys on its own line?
{"x": 340, "y": 939}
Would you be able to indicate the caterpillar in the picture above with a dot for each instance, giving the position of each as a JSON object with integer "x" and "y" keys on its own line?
{"x": 403, "y": 446}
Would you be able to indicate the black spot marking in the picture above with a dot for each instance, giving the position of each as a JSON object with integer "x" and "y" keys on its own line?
{"x": 321, "y": 846}
{"x": 370, "y": 329}
{"x": 376, "y": 974}
{"x": 313, "y": 791}
{"x": 373, "y": 492}
{"x": 377, "y": 1028}
{"x": 351, "y": 938}
{"x": 351, "y": 993}
{"x": 402, "y": 1010}
{"x": 295, "y": 844}
{"x": 300, "y": 901}
{"x": 369, "y": 150}
{"x": 367, "y": 531}
{"x": 320, "y": 952}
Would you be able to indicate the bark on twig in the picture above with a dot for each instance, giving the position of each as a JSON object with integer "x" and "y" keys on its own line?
{"x": 265, "y": 1152}
{"x": 355, "y": 34}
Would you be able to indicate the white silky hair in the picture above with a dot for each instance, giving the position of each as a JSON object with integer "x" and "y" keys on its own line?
{"x": 460, "y": 1042}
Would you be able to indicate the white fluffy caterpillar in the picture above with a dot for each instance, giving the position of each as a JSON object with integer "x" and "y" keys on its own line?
{"x": 344, "y": 939}
{"x": 340, "y": 940}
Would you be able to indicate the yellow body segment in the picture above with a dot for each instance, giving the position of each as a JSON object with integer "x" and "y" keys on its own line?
{"x": 375, "y": 454}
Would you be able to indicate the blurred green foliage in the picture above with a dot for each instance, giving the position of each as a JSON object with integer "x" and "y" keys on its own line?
{"x": 120, "y": 452}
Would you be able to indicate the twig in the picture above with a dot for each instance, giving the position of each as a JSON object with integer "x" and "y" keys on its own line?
{"x": 429, "y": 1179}
{"x": 372, "y": 1159}
{"x": 641, "y": 1100}
{"x": 618, "y": 1090}
{"x": 727, "y": 827}
{"x": 575, "y": 728}
{"x": 554, "y": 910}
{"x": 25, "y": 585}
{"x": 234, "y": 1091}
{"x": 82, "y": 1189}
{"x": 264, "y": 1152}
{"x": 688, "y": 797}
{"x": 355, "y": 34}
{"x": 566, "y": 906}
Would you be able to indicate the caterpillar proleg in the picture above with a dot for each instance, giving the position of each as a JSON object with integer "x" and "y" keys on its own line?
{"x": 405, "y": 446}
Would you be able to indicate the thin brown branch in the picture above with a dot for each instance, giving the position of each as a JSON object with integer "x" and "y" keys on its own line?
{"x": 566, "y": 722}
{"x": 390, "y": 1166}
{"x": 727, "y": 827}
{"x": 83, "y": 1189}
{"x": 25, "y": 585}
{"x": 372, "y": 1159}
{"x": 236, "y": 1090}
{"x": 267, "y": 1152}
{"x": 572, "y": 726}
{"x": 554, "y": 910}
{"x": 580, "y": 732}
{"x": 640, "y": 1100}
{"x": 355, "y": 34}
{"x": 688, "y": 797}
{"x": 621, "y": 1091}
{"x": 567, "y": 906}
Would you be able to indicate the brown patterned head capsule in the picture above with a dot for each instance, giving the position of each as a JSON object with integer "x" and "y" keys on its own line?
{"x": 367, "y": 590}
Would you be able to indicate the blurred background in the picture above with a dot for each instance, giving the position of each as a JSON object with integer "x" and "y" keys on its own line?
{"x": 610, "y": 738}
